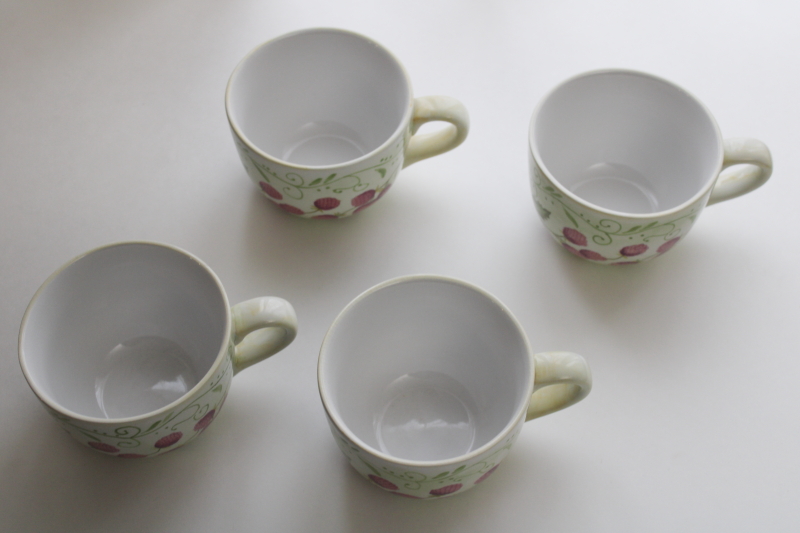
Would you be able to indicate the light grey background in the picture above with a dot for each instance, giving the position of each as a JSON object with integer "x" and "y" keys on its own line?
{"x": 112, "y": 127}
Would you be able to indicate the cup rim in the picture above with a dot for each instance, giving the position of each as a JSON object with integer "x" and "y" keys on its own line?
{"x": 534, "y": 151}
{"x": 55, "y": 406}
{"x": 250, "y": 145}
{"x": 518, "y": 416}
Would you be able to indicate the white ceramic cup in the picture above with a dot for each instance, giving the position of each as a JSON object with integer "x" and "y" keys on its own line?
{"x": 324, "y": 119}
{"x": 132, "y": 346}
{"x": 622, "y": 163}
{"x": 427, "y": 382}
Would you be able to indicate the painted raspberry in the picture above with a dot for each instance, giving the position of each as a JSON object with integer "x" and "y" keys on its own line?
{"x": 574, "y": 236}
{"x": 270, "y": 191}
{"x": 487, "y": 474}
{"x": 325, "y": 204}
{"x": 383, "y": 483}
{"x": 363, "y": 198}
{"x": 291, "y": 209}
{"x": 634, "y": 249}
{"x": 205, "y": 421}
{"x": 384, "y": 191}
{"x": 449, "y": 489}
{"x": 571, "y": 250}
{"x": 103, "y": 447}
{"x": 169, "y": 440}
{"x": 594, "y": 256}
{"x": 667, "y": 246}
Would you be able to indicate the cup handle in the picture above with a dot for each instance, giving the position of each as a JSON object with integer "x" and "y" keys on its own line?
{"x": 262, "y": 327}
{"x": 430, "y": 108}
{"x": 756, "y": 168}
{"x": 561, "y": 379}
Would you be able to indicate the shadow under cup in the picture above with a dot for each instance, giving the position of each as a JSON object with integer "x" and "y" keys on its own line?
{"x": 123, "y": 331}
{"x": 318, "y": 97}
{"x": 627, "y": 142}
{"x": 425, "y": 370}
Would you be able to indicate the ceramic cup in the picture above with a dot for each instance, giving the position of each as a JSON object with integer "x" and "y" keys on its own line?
{"x": 132, "y": 346}
{"x": 622, "y": 163}
{"x": 427, "y": 382}
{"x": 324, "y": 119}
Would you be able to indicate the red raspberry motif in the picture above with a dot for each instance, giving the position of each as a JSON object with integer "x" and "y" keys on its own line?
{"x": 205, "y": 421}
{"x": 326, "y": 203}
{"x": 169, "y": 440}
{"x": 384, "y": 191}
{"x": 449, "y": 489}
{"x": 291, "y": 209}
{"x": 574, "y": 236}
{"x": 594, "y": 256}
{"x": 487, "y": 474}
{"x": 363, "y": 198}
{"x": 383, "y": 483}
{"x": 667, "y": 246}
{"x": 270, "y": 191}
{"x": 103, "y": 447}
{"x": 634, "y": 249}
{"x": 131, "y": 455}
{"x": 571, "y": 250}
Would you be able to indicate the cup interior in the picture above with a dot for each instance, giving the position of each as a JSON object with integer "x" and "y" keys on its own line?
{"x": 627, "y": 141}
{"x": 425, "y": 369}
{"x": 318, "y": 97}
{"x": 123, "y": 331}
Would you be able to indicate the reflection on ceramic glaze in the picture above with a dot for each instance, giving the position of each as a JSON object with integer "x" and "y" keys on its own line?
{"x": 142, "y": 375}
{"x": 425, "y": 416}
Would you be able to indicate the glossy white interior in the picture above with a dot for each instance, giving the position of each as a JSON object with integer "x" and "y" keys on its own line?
{"x": 425, "y": 369}
{"x": 318, "y": 97}
{"x": 627, "y": 141}
{"x": 112, "y": 297}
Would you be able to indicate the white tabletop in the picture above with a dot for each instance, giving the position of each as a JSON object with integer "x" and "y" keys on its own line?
{"x": 113, "y": 128}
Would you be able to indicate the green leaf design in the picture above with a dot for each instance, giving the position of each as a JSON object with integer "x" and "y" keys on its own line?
{"x": 571, "y": 218}
{"x": 374, "y": 470}
{"x": 459, "y": 469}
{"x": 381, "y": 171}
{"x": 315, "y": 182}
{"x": 329, "y": 178}
{"x": 439, "y": 476}
{"x": 217, "y": 388}
{"x": 153, "y": 426}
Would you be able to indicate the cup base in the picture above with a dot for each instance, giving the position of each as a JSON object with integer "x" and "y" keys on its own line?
{"x": 426, "y": 416}
{"x": 617, "y": 187}
{"x": 324, "y": 143}
{"x": 142, "y": 375}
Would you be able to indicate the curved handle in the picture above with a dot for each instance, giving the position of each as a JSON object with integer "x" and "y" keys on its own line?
{"x": 262, "y": 327}
{"x": 430, "y": 108}
{"x": 738, "y": 181}
{"x": 562, "y": 379}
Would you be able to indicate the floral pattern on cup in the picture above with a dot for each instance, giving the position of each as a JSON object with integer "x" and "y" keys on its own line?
{"x": 602, "y": 239}
{"x": 167, "y": 432}
{"x": 421, "y": 483}
{"x": 331, "y": 196}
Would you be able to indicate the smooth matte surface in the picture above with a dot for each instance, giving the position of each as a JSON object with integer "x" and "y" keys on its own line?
{"x": 114, "y": 129}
